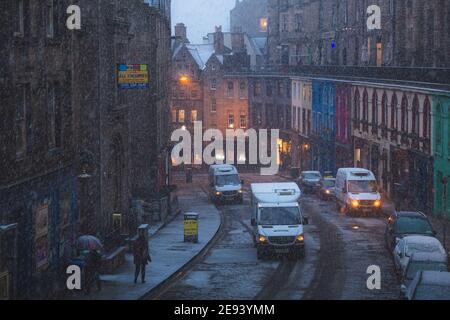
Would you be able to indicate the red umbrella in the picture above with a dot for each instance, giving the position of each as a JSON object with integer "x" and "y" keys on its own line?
{"x": 89, "y": 243}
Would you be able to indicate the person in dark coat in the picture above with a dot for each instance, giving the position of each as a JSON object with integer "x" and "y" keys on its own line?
{"x": 141, "y": 257}
{"x": 93, "y": 264}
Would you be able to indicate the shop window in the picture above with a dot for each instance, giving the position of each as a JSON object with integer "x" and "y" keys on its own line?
{"x": 394, "y": 106}
{"x": 426, "y": 118}
{"x": 415, "y": 116}
{"x": 404, "y": 115}
{"x": 181, "y": 116}
{"x": 438, "y": 132}
{"x": 194, "y": 115}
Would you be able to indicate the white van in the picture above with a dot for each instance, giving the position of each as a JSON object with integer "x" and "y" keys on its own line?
{"x": 357, "y": 192}
{"x": 277, "y": 219}
{"x": 225, "y": 184}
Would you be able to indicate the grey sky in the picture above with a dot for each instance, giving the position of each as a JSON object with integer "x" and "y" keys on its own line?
{"x": 201, "y": 16}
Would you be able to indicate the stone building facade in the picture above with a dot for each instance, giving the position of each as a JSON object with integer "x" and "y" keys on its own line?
{"x": 330, "y": 32}
{"x": 78, "y": 148}
{"x": 251, "y": 17}
{"x": 208, "y": 83}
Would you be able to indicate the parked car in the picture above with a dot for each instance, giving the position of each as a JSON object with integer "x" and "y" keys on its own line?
{"x": 309, "y": 181}
{"x": 410, "y": 245}
{"x": 326, "y": 190}
{"x": 429, "y": 285}
{"x": 402, "y": 224}
{"x": 423, "y": 262}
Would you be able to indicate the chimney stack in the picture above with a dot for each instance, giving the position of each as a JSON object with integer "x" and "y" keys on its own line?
{"x": 237, "y": 40}
{"x": 181, "y": 32}
{"x": 219, "y": 42}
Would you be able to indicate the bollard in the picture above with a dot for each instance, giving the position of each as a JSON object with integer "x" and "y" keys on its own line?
{"x": 189, "y": 175}
{"x": 191, "y": 227}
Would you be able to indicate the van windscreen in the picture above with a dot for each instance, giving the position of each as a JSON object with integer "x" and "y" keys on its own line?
{"x": 362, "y": 186}
{"x": 227, "y": 180}
{"x": 278, "y": 216}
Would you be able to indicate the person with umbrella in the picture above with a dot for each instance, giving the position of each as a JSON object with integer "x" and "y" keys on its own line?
{"x": 141, "y": 257}
{"x": 90, "y": 246}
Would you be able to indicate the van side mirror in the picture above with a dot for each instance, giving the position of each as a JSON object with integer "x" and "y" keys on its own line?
{"x": 344, "y": 190}
{"x": 305, "y": 221}
{"x": 253, "y": 222}
{"x": 242, "y": 182}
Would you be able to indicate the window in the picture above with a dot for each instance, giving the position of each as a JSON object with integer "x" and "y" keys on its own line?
{"x": 284, "y": 22}
{"x": 304, "y": 121}
{"x": 415, "y": 117}
{"x": 269, "y": 90}
{"x": 174, "y": 115}
{"x": 20, "y": 125}
{"x": 257, "y": 89}
{"x": 439, "y": 128}
{"x": 243, "y": 121}
{"x": 374, "y": 109}
{"x": 404, "y": 114}
{"x": 280, "y": 88}
{"x": 181, "y": 116}
{"x": 230, "y": 91}
{"x": 263, "y": 24}
{"x": 394, "y": 103}
{"x": 230, "y": 120}
{"x": 194, "y": 115}
{"x": 384, "y": 113}
{"x": 426, "y": 118}
{"x": 20, "y": 18}
{"x": 365, "y": 109}
{"x": 213, "y": 105}
{"x": 242, "y": 90}
{"x": 298, "y": 22}
{"x": 357, "y": 108}
{"x": 194, "y": 94}
{"x": 54, "y": 116}
{"x": 213, "y": 84}
{"x": 51, "y": 10}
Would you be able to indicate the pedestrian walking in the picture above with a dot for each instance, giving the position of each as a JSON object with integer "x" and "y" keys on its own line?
{"x": 141, "y": 258}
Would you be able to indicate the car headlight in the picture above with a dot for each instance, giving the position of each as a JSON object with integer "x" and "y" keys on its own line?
{"x": 377, "y": 203}
{"x": 218, "y": 193}
{"x": 327, "y": 191}
{"x": 262, "y": 238}
{"x": 241, "y": 191}
{"x": 355, "y": 203}
{"x": 301, "y": 238}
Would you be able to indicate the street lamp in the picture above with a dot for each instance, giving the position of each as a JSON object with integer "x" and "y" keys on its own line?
{"x": 184, "y": 80}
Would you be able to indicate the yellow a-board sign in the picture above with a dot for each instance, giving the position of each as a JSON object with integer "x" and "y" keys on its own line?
{"x": 191, "y": 227}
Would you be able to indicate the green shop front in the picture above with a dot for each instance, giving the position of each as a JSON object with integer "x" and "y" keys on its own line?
{"x": 441, "y": 150}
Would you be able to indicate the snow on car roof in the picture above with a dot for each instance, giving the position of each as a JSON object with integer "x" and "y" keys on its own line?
{"x": 436, "y": 278}
{"x": 422, "y": 240}
{"x": 429, "y": 257}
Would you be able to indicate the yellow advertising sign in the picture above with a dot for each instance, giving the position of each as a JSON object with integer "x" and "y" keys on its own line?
{"x": 190, "y": 228}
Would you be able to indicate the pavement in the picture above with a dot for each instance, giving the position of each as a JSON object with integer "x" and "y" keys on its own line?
{"x": 168, "y": 251}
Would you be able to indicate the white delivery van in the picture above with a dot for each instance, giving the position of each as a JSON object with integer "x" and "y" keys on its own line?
{"x": 357, "y": 192}
{"x": 277, "y": 219}
{"x": 225, "y": 184}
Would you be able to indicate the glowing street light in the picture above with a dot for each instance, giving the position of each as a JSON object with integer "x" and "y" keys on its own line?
{"x": 184, "y": 80}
